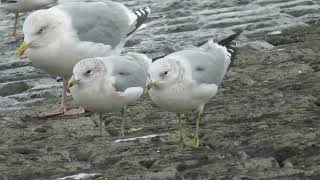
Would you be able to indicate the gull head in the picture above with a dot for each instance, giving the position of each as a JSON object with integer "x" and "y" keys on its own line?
{"x": 42, "y": 28}
{"x": 86, "y": 72}
{"x": 164, "y": 72}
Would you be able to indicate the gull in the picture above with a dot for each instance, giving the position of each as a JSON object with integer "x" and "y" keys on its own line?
{"x": 57, "y": 38}
{"x": 186, "y": 80}
{"x": 109, "y": 83}
{"x": 20, "y": 6}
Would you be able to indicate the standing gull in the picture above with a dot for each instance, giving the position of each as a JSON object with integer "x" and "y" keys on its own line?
{"x": 109, "y": 83}
{"x": 186, "y": 80}
{"x": 59, "y": 37}
{"x": 20, "y": 6}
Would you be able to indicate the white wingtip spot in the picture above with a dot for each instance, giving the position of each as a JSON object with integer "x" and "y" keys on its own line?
{"x": 138, "y": 13}
{"x": 142, "y": 11}
{"x": 148, "y": 9}
{"x": 229, "y": 55}
{"x": 142, "y": 27}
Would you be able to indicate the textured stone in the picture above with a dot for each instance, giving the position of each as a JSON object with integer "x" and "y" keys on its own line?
{"x": 13, "y": 88}
{"x": 261, "y": 163}
{"x": 6, "y": 102}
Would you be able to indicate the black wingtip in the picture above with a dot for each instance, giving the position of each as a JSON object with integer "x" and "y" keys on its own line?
{"x": 231, "y": 46}
{"x": 7, "y": 1}
{"x": 159, "y": 57}
{"x": 228, "y": 40}
{"x": 142, "y": 16}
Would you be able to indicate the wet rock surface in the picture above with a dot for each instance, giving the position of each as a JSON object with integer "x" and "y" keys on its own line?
{"x": 263, "y": 123}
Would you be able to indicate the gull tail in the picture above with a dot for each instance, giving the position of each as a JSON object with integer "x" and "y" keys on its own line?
{"x": 142, "y": 15}
{"x": 223, "y": 51}
{"x": 231, "y": 46}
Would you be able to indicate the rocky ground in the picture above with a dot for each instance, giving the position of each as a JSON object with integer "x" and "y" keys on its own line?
{"x": 263, "y": 123}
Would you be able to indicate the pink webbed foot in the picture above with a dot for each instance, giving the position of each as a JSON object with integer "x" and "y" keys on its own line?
{"x": 55, "y": 112}
{"x": 117, "y": 94}
{"x": 73, "y": 112}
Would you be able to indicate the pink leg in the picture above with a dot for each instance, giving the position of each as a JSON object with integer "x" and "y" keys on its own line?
{"x": 63, "y": 108}
{"x": 73, "y": 112}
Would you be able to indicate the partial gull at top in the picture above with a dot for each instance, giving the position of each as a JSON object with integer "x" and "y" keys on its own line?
{"x": 20, "y": 6}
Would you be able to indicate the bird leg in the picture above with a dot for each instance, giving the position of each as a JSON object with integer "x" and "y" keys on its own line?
{"x": 100, "y": 117}
{"x": 179, "y": 134}
{"x": 194, "y": 142}
{"x": 123, "y": 121}
{"x": 198, "y": 116}
{"x": 63, "y": 108}
{"x": 15, "y": 24}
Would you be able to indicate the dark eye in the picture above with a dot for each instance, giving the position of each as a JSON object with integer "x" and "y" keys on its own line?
{"x": 88, "y": 72}
{"x": 124, "y": 73}
{"x": 164, "y": 73}
{"x": 42, "y": 29}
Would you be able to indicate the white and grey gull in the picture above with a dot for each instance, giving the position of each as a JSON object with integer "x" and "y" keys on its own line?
{"x": 109, "y": 83}
{"x": 186, "y": 80}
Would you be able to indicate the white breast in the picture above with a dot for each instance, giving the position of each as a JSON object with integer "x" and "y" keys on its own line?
{"x": 99, "y": 98}
{"x": 176, "y": 98}
{"x": 59, "y": 58}
{"x": 53, "y": 59}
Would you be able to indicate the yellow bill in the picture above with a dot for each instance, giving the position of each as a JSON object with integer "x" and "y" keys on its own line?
{"x": 72, "y": 82}
{"x": 23, "y": 47}
{"x": 148, "y": 87}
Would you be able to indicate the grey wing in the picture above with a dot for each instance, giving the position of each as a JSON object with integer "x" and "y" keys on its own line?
{"x": 106, "y": 23}
{"x": 205, "y": 67}
{"x": 127, "y": 73}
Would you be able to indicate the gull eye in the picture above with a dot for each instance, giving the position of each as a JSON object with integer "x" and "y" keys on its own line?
{"x": 42, "y": 29}
{"x": 88, "y": 72}
{"x": 164, "y": 73}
